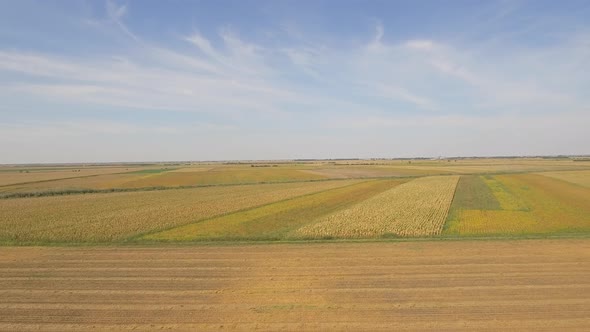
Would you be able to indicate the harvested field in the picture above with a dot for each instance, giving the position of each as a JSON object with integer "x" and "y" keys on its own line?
{"x": 415, "y": 208}
{"x": 537, "y": 285}
{"x": 578, "y": 177}
{"x": 273, "y": 221}
{"x": 117, "y": 216}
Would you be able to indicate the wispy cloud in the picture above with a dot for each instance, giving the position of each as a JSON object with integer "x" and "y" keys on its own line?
{"x": 116, "y": 14}
{"x": 294, "y": 83}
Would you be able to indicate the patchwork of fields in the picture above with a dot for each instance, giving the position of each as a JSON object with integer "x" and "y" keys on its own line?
{"x": 100, "y": 248}
{"x": 518, "y": 204}
{"x": 118, "y": 216}
{"x": 295, "y": 201}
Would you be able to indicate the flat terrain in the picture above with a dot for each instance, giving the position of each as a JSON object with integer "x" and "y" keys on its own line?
{"x": 438, "y": 245}
{"x": 121, "y": 215}
{"x": 294, "y": 200}
{"x": 536, "y": 285}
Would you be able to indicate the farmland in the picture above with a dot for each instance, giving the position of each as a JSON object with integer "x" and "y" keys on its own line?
{"x": 293, "y": 201}
{"x": 416, "y": 208}
{"x": 536, "y": 285}
{"x": 521, "y": 204}
{"x": 276, "y": 219}
{"x": 577, "y": 177}
{"x": 117, "y": 216}
{"x": 317, "y": 245}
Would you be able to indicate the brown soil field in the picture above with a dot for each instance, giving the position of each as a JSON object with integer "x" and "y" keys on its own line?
{"x": 419, "y": 285}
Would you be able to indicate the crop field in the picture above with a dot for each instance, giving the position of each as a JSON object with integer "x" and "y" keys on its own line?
{"x": 168, "y": 178}
{"x": 535, "y": 285}
{"x": 294, "y": 201}
{"x": 117, "y": 216}
{"x": 9, "y": 176}
{"x": 578, "y": 177}
{"x": 222, "y": 176}
{"x": 519, "y": 204}
{"x": 39, "y": 180}
{"x": 416, "y": 208}
{"x": 275, "y": 220}
{"x": 346, "y": 172}
{"x": 316, "y": 245}
{"x": 104, "y": 181}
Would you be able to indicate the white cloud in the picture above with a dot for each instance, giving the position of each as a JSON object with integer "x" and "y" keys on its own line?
{"x": 419, "y": 44}
{"x": 116, "y": 14}
{"x": 203, "y": 44}
{"x": 371, "y": 87}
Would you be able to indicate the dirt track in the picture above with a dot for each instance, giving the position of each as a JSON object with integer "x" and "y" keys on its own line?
{"x": 527, "y": 284}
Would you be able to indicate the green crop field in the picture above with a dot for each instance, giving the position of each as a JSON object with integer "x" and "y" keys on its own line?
{"x": 518, "y": 204}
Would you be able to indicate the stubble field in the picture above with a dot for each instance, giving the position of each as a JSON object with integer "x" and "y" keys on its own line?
{"x": 523, "y": 285}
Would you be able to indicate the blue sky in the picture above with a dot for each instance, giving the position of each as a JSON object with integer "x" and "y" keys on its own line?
{"x": 84, "y": 81}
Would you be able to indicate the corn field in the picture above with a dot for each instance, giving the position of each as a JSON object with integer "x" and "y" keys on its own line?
{"x": 415, "y": 208}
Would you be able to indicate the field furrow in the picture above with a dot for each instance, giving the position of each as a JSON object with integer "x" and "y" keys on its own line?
{"x": 453, "y": 285}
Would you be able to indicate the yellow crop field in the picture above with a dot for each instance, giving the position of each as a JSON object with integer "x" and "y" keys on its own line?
{"x": 552, "y": 206}
{"x": 372, "y": 171}
{"x": 415, "y": 208}
{"x": 507, "y": 200}
{"x": 104, "y": 181}
{"x": 274, "y": 220}
{"x": 224, "y": 175}
{"x": 484, "y": 222}
{"x": 578, "y": 177}
{"x": 117, "y": 216}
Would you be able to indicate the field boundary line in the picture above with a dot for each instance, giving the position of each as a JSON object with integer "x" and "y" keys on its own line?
{"x": 137, "y": 237}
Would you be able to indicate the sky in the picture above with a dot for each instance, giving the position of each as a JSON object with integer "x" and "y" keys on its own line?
{"x": 108, "y": 81}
